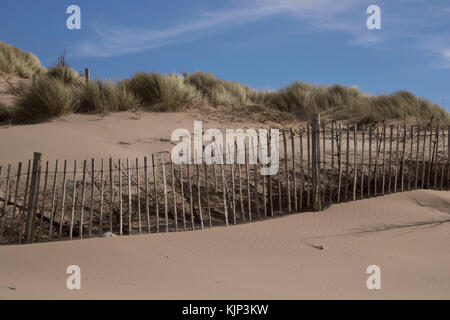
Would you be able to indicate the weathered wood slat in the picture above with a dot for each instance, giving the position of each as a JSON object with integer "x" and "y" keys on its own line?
{"x": 83, "y": 197}
{"x": 294, "y": 174}
{"x": 74, "y": 197}
{"x": 138, "y": 196}
{"x": 120, "y": 198}
{"x": 339, "y": 164}
{"x": 155, "y": 184}
{"x": 166, "y": 205}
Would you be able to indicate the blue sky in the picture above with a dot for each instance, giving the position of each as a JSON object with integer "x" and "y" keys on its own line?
{"x": 261, "y": 43}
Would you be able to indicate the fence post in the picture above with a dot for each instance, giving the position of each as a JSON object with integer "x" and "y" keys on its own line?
{"x": 316, "y": 199}
{"x": 87, "y": 74}
{"x": 33, "y": 195}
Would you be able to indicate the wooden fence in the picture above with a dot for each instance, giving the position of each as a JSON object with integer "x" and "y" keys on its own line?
{"x": 320, "y": 164}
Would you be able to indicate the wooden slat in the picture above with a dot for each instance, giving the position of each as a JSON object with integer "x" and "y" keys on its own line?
{"x": 369, "y": 170}
{"x": 183, "y": 210}
{"x": 322, "y": 188}
{"x": 288, "y": 188}
{"x": 147, "y": 201}
{"x": 100, "y": 216}
{"x": 363, "y": 133}
{"x": 155, "y": 183}
{"x": 3, "y": 216}
{"x": 91, "y": 212}
{"x": 294, "y": 175}
{"x": 383, "y": 168}
{"x": 377, "y": 153}
{"x": 83, "y": 196}
{"x": 355, "y": 159}
{"x": 247, "y": 176}
{"x": 308, "y": 175}
{"x": 417, "y": 159}
{"x": 435, "y": 156}
{"x": 138, "y": 196}
{"x": 332, "y": 162}
{"x": 191, "y": 199}
{"x": 315, "y": 151}
{"x": 207, "y": 193}
{"x": 74, "y": 190}
{"x": 301, "y": 169}
{"x": 33, "y": 197}
{"x": 410, "y": 167}
{"x": 448, "y": 158}
{"x": 120, "y": 199}
{"x": 261, "y": 147}
{"x": 63, "y": 199}
{"x": 199, "y": 197}
{"x": 391, "y": 129}
{"x": 22, "y": 215}
{"x": 442, "y": 160}
{"x": 174, "y": 193}
{"x": 255, "y": 178}
{"x": 347, "y": 162}
{"x": 166, "y": 206}
{"x": 16, "y": 193}
{"x": 44, "y": 192}
{"x": 130, "y": 205}
{"x": 429, "y": 157}
{"x": 396, "y": 159}
{"x": 224, "y": 195}
{"x": 339, "y": 164}
{"x": 269, "y": 140}
{"x": 111, "y": 195}
{"x": 402, "y": 167}
{"x": 233, "y": 194}
{"x": 53, "y": 201}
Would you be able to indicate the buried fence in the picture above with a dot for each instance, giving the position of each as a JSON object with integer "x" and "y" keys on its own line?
{"x": 320, "y": 164}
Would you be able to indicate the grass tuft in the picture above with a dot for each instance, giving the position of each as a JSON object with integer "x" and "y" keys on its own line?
{"x": 16, "y": 61}
{"x": 104, "y": 97}
{"x": 161, "y": 92}
{"x": 49, "y": 98}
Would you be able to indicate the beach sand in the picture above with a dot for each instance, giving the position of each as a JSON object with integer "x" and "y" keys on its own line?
{"x": 405, "y": 234}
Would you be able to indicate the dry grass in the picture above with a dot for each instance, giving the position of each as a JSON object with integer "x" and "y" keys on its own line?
{"x": 161, "y": 92}
{"x": 65, "y": 74}
{"x": 104, "y": 97}
{"x": 16, "y": 61}
{"x": 49, "y": 98}
{"x": 219, "y": 98}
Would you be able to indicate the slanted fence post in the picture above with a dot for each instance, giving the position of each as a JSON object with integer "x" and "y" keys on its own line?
{"x": 316, "y": 198}
{"x": 33, "y": 195}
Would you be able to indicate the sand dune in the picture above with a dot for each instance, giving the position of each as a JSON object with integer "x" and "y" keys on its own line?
{"x": 406, "y": 234}
{"x": 119, "y": 135}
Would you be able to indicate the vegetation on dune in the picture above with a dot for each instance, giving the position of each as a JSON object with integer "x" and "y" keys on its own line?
{"x": 16, "y": 61}
{"x": 60, "y": 90}
{"x": 48, "y": 98}
{"x": 220, "y": 92}
{"x": 64, "y": 74}
{"x": 350, "y": 103}
{"x": 6, "y": 112}
{"x": 103, "y": 97}
{"x": 164, "y": 92}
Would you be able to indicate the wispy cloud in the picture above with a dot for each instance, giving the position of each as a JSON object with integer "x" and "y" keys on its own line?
{"x": 416, "y": 20}
{"x": 112, "y": 41}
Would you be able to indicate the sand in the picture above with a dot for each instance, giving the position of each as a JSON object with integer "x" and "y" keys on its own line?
{"x": 119, "y": 135}
{"x": 406, "y": 235}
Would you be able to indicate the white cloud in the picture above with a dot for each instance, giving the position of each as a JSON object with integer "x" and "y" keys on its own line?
{"x": 120, "y": 40}
{"x": 408, "y": 20}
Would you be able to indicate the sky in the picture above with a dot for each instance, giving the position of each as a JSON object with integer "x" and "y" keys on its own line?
{"x": 265, "y": 44}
